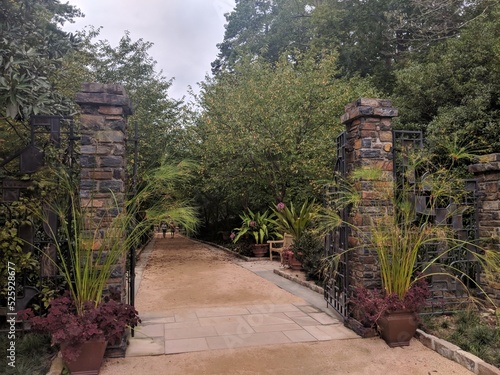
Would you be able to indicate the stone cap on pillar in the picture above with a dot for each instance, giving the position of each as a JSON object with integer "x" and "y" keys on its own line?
{"x": 104, "y": 94}
{"x": 367, "y": 107}
{"x": 487, "y": 163}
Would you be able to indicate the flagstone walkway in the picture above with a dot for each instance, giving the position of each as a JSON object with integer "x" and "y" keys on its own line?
{"x": 229, "y": 327}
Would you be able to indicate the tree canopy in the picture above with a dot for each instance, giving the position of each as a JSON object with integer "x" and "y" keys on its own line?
{"x": 263, "y": 127}
{"x": 31, "y": 50}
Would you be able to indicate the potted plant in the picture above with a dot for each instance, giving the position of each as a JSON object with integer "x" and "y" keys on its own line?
{"x": 290, "y": 220}
{"x": 259, "y": 227}
{"x": 83, "y": 335}
{"x": 294, "y": 222}
{"x": 308, "y": 250}
{"x": 395, "y": 317}
{"x": 84, "y": 320}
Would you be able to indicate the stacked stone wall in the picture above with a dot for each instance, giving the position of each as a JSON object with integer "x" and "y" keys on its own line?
{"x": 487, "y": 174}
{"x": 103, "y": 119}
{"x": 369, "y": 145}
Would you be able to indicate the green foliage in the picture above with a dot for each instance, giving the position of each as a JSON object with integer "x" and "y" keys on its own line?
{"x": 371, "y": 37}
{"x": 471, "y": 331}
{"x": 266, "y": 130}
{"x": 266, "y": 28}
{"x": 260, "y": 226}
{"x": 454, "y": 91}
{"x": 309, "y": 249}
{"x": 97, "y": 243}
{"x": 158, "y": 117}
{"x": 396, "y": 231}
{"x": 31, "y": 48}
{"x": 161, "y": 197}
{"x": 33, "y": 354}
{"x": 11, "y": 246}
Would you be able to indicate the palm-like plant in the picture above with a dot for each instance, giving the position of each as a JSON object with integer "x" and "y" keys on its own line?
{"x": 293, "y": 221}
{"x": 258, "y": 225}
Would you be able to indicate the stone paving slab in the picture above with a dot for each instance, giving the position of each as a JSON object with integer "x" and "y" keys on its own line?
{"x": 233, "y": 327}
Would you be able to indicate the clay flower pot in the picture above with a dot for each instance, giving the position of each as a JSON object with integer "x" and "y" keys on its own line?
{"x": 397, "y": 327}
{"x": 260, "y": 250}
{"x": 90, "y": 359}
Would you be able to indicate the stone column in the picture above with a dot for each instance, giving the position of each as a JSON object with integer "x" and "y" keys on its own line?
{"x": 104, "y": 111}
{"x": 369, "y": 144}
{"x": 487, "y": 174}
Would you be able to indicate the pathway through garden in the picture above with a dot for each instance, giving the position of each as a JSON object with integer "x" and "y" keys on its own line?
{"x": 207, "y": 312}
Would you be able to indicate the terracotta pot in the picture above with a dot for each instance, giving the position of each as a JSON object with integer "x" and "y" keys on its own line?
{"x": 397, "y": 327}
{"x": 292, "y": 262}
{"x": 260, "y": 250}
{"x": 90, "y": 359}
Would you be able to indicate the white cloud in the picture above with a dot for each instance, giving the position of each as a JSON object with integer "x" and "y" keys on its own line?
{"x": 184, "y": 32}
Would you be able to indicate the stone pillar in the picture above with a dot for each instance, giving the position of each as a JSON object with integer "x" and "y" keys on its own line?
{"x": 104, "y": 111}
{"x": 369, "y": 144}
{"x": 487, "y": 174}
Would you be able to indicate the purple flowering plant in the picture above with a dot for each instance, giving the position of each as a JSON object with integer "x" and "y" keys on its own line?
{"x": 370, "y": 304}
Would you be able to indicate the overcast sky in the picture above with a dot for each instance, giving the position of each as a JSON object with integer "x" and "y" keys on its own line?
{"x": 184, "y": 32}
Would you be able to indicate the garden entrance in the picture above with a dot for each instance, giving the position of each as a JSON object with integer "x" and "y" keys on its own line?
{"x": 370, "y": 141}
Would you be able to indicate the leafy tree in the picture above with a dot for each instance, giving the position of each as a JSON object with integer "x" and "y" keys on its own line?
{"x": 267, "y": 130}
{"x": 31, "y": 49}
{"x": 371, "y": 37}
{"x": 265, "y": 28}
{"x": 454, "y": 94}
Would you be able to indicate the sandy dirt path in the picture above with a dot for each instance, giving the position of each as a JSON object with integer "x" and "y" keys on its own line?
{"x": 182, "y": 274}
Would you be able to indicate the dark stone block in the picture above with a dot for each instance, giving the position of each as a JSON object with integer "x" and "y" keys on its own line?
{"x": 119, "y": 174}
{"x": 366, "y": 111}
{"x": 88, "y": 184}
{"x": 112, "y": 161}
{"x": 370, "y": 154}
{"x": 88, "y": 161}
{"x": 118, "y": 125}
{"x": 86, "y": 140}
{"x": 113, "y": 185}
{"x": 366, "y": 143}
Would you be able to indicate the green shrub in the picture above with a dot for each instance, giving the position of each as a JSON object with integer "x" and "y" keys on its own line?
{"x": 309, "y": 250}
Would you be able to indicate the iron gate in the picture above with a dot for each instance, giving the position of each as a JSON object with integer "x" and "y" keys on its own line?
{"x": 447, "y": 292}
{"x": 44, "y": 132}
{"x": 336, "y": 287}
